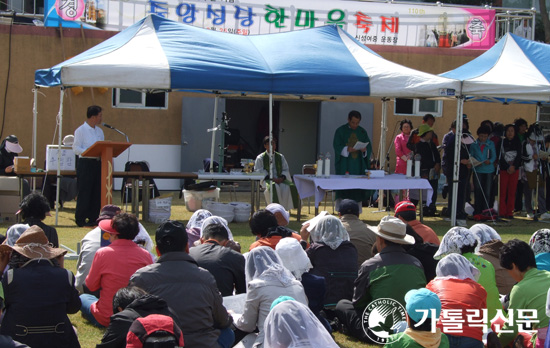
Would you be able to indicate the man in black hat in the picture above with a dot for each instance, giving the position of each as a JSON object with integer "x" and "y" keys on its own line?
{"x": 189, "y": 290}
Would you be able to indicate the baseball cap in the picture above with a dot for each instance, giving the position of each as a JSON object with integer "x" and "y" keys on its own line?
{"x": 106, "y": 225}
{"x": 349, "y": 206}
{"x": 171, "y": 233}
{"x": 423, "y": 129}
{"x": 404, "y": 206}
{"x": 108, "y": 212}
{"x": 418, "y": 301}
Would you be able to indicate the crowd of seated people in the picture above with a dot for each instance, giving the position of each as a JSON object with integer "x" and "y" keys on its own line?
{"x": 292, "y": 289}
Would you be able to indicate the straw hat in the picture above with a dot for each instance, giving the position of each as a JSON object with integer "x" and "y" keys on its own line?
{"x": 34, "y": 244}
{"x": 393, "y": 229}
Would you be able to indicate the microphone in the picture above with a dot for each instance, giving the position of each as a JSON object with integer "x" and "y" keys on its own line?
{"x": 116, "y": 130}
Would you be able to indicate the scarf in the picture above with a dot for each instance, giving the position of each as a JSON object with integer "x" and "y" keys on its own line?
{"x": 278, "y": 163}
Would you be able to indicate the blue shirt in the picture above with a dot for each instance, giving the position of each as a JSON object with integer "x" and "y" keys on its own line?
{"x": 488, "y": 153}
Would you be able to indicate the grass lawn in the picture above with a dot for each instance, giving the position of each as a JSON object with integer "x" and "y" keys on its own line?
{"x": 70, "y": 235}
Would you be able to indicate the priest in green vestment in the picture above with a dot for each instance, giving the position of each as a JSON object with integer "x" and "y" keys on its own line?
{"x": 349, "y": 159}
{"x": 285, "y": 192}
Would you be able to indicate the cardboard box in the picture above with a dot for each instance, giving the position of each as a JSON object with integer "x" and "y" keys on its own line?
{"x": 22, "y": 164}
{"x": 67, "y": 162}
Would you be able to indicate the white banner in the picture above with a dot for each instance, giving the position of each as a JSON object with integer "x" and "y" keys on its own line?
{"x": 373, "y": 23}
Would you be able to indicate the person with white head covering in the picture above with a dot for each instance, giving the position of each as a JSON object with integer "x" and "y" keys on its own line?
{"x": 389, "y": 274}
{"x": 231, "y": 243}
{"x": 194, "y": 225}
{"x": 333, "y": 257}
{"x": 267, "y": 279}
{"x": 291, "y": 324}
{"x": 457, "y": 287}
{"x": 489, "y": 249}
{"x": 484, "y": 233}
{"x": 460, "y": 240}
{"x": 540, "y": 243}
{"x": 296, "y": 261}
{"x": 282, "y": 215}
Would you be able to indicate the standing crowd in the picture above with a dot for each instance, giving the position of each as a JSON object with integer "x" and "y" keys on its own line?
{"x": 506, "y": 168}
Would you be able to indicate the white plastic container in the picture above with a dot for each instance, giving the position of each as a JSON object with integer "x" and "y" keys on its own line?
{"x": 194, "y": 199}
{"x": 242, "y": 211}
{"x": 226, "y": 211}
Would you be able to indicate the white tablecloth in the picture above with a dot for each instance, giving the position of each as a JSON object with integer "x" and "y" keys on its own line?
{"x": 310, "y": 185}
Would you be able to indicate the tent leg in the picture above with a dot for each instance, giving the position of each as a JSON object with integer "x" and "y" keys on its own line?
{"x": 60, "y": 138}
{"x": 270, "y": 147}
{"x": 213, "y": 134}
{"x": 456, "y": 167}
{"x": 34, "y": 126}
{"x": 382, "y": 151}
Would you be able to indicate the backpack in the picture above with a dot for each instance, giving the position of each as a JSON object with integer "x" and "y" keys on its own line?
{"x": 154, "y": 331}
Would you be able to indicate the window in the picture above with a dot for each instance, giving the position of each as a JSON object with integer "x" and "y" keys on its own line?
{"x": 418, "y": 107}
{"x": 127, "y": 98}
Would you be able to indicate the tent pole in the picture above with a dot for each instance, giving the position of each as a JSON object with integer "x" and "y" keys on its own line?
{"x": 382, "y": 156}
{"x": 213, "y": 134}
{"x": 456, "y": 166}
{"x": 60, "y": 124}
{"x": 34, "y": 125}
{"x": 538, "y": 112}
{"x": 271, "y": 147}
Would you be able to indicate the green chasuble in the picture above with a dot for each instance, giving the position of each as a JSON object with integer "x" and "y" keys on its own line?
{"x": 355, "y": 163}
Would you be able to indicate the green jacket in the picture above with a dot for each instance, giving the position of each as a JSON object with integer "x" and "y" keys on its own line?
{"x": 530, "y": 293}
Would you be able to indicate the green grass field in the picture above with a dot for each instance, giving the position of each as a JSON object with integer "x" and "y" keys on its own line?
{"x": 70, "y": 235}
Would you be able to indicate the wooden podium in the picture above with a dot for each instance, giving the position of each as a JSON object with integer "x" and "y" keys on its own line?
{"x": 106, "y": 150}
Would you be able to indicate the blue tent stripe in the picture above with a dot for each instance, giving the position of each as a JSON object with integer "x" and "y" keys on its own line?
{"x": 538, "y": 53}
{"x": 478, "y": 66}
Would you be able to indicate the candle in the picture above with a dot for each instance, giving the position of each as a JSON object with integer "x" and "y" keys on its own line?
{"x": 319, "y": 168}
{"x": 417, "y": 166}
{"x": 409, "y": 168}
{"x": 327, "y": 164}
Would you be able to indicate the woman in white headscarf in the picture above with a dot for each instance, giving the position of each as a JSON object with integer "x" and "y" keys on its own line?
{"x": 267, "y": 279}
{"x": 291, "y": 324}
{"x": 296, "y": 261}
{"x": 489, "y": 248}
{"x": 194, "y": 225}
{"x": 456, "y": 286}
{"x": 333, "y": 257}
{"x": 460, "y": 240}
{"x": 540, "y": 243}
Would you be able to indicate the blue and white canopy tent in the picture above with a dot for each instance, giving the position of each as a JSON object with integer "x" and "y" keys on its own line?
{"x": 161, "y": 54}
{"x": 514, "y": 70}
